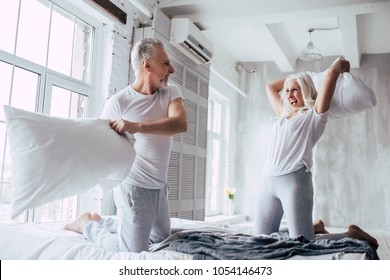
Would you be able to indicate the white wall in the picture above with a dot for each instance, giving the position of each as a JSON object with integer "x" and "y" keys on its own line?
{"x": 353, "y": 158}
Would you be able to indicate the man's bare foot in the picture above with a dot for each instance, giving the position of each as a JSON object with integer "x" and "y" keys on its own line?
{"x": 356, "y": 232}
{"x": 79, "y": 223}
{"x": 95, "y": 217}
{"x": 319, "y": 227}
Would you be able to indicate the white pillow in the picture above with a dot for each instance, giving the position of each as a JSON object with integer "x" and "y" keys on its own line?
{"x": 54, "y": 158}
{"x": 351, "y": 95}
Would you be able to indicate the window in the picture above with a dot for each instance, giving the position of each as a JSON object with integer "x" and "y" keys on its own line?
{"x": 48, "y": 36}
{"x": 217, "y": 153}
{"x": 45, "y": 66}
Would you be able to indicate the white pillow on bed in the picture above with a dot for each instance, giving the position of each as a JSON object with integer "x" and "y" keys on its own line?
{"x": 351, "y": 95}
{"x": 54, "y": 158}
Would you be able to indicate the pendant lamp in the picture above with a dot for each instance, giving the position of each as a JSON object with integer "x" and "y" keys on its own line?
{"x": 311, "y": 52}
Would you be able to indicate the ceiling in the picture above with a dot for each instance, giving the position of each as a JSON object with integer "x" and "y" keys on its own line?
{"x": 277, "y": 30}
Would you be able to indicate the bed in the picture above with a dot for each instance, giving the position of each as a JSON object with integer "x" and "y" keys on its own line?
{"x": 96, "y": 157}
{"x": 190, "y": 240}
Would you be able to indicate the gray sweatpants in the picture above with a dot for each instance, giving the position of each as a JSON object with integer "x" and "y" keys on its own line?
{"x": 291, "y": 195}
{"x": 143, "y": 217}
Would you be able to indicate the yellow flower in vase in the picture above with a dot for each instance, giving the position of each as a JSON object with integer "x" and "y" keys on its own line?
{"x": 229, "y": 208}
{"x": 230, "y": 192}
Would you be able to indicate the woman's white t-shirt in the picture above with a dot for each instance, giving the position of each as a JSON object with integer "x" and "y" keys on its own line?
{"x": 292, "y": 142}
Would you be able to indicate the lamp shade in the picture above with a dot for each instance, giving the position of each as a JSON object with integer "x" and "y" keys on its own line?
{"x": 310, "y": 53}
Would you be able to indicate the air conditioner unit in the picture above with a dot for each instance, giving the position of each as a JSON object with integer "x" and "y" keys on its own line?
{"x": 186, "y": 37}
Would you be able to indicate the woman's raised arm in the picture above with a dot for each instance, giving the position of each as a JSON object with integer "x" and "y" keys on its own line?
{"x": 274, "y": 97}
{"x": 324, "y": 97}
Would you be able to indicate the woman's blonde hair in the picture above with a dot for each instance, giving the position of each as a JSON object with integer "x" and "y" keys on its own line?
{"x": 309, "y": 93}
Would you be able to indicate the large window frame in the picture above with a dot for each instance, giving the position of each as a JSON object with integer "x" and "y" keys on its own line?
{"x": 50, "y": 80}
{"x": 218, "y": 130}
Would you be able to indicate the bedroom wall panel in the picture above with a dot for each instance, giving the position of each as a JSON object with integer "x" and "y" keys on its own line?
{"x": 187, "y": 166}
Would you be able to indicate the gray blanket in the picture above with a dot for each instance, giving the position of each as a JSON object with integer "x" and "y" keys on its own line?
{"x": 219, "y": 245}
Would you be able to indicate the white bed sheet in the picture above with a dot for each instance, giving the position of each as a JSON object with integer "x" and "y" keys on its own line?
{"x": 35, "y": 241}
{"x": 48, "y": 241}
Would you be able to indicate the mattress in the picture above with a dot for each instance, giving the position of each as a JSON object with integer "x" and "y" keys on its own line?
{"x": 49, "y": 241}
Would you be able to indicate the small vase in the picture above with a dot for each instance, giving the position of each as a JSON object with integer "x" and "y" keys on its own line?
{"x": 230, "y": 207}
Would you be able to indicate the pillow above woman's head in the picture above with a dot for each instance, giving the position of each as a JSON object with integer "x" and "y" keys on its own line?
{"x": 54, "y": 158}
{"x": 351, "y": 95}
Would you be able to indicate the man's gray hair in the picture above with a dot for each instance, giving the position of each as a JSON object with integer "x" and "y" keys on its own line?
{"x": 143, "y": 50}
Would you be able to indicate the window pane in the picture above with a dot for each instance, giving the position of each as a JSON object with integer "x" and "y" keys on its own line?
{"x": 57, "y": 211}
{"x": 24, "y": 89}
{"x": 67, "y": 104}
{"x": 8, "y": 22}
{"x": 82, "y": 54}
{"x": 60, "y": 102}
{"x": 61, "y": 41}
{"x": 214, "y": 185}
{"x": 33, "y": 30}
{"x": 5, "y": 87}
{"x": 78, "y": 106}
{"x": 218, "y": 176}
{"x": 216, "y": 116}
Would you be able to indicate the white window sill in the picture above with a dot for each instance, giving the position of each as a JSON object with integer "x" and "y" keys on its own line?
{"x": 226, "y": 219}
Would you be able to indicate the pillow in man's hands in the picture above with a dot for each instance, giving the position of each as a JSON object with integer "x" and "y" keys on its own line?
{"x": 53, "y": 158}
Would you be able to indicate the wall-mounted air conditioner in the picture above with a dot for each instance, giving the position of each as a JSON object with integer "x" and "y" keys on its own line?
{"x": 189, "y": 40}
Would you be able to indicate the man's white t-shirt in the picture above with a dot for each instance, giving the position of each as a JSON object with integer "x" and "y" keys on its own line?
{"x": 150, "y": 166}
{"x": 292, "y": 142}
